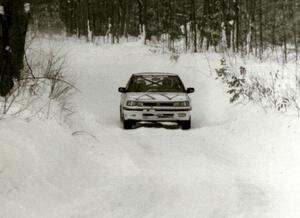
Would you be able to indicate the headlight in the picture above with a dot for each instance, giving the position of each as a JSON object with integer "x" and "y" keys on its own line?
{"x": 134, "y": 104}
{"x": 182, "y": 104}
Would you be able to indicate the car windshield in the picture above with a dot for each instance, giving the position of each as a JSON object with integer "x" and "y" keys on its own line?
{"x": 155, "y": 83}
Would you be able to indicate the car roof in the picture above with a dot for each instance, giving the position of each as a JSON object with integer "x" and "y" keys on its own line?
{"x": 154, "y": 74}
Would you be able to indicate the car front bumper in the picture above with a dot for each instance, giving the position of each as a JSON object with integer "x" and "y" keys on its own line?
{"x": 157, "y": 114}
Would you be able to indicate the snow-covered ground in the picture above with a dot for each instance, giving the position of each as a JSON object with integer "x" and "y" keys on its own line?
{"x": 236, "y": 161}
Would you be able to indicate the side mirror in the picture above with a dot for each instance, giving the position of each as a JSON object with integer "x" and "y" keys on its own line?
{"x": 190, "y": 90}
{"x": 122, "y": 89}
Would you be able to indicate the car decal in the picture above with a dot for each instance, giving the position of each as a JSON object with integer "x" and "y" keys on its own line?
{"x": 149, "y": 97}
{"x": 145, "y": 95}
{"x": 170, "y": 98}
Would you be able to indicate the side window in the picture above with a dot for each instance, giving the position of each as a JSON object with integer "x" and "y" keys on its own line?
{"x": 129, "y": 82}
{"x": 180, "y": 84}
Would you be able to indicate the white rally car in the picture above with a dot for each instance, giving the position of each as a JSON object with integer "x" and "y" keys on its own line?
{"x": 155, "y": 97}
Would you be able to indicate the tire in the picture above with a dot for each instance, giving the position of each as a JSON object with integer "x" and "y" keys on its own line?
{"x": 127, "y": 124}
{"x": 121, "y": 114}
{"x": 185, "y": 125}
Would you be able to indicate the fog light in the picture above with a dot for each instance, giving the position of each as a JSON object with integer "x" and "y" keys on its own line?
{"x": 181, "y": 114}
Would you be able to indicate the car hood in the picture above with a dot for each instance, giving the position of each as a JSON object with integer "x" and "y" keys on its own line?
{"x": 156, "y": 96}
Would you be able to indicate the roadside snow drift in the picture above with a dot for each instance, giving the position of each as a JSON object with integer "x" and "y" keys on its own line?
{"x": 236, "y": 161}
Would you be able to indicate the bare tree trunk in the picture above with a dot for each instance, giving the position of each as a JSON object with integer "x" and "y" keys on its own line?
{"x": 237, "y": 25}
{"x": 253, "y": 45}
{"x": 295, "y": 27}
{"x": 126, "y": 16}
{"x": 194, "y": 26}
{"x": 260, "y": 30}
{"x": 118, "y": 22}
{"x": 249, "y": 32}
{"x": 90, "y": 21}
{"x": 284, "y": 6}
{"x": 186, "y": 36}
{"x": 145, "y": 20}
{"x": 113, "y": 28}
{"x": 13, "y": 27}
{"x": 273, "y": 5}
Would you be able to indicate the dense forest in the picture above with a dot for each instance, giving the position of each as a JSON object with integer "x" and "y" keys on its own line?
{"x": 247, "y": 25}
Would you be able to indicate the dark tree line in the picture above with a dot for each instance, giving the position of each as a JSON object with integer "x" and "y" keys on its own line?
{"x": 240, "y": 25}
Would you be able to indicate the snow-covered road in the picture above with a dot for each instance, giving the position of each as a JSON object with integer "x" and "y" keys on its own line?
{"x": 236, "y": 161}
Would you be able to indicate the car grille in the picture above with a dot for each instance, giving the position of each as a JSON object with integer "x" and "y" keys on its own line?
{"x": 157, "y": 104}
{"x": 159, "y": 115}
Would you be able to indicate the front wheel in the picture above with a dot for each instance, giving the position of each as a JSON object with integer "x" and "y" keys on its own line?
{"x": 185, "y": 125}
{"x": 121, "y": 114}
{"x": 128, "y": 124}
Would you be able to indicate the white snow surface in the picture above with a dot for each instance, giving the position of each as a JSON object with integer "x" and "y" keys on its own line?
{"x": 236, "y": 161}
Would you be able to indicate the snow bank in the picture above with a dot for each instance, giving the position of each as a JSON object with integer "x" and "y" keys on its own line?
{"x": 44, "y": 167}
